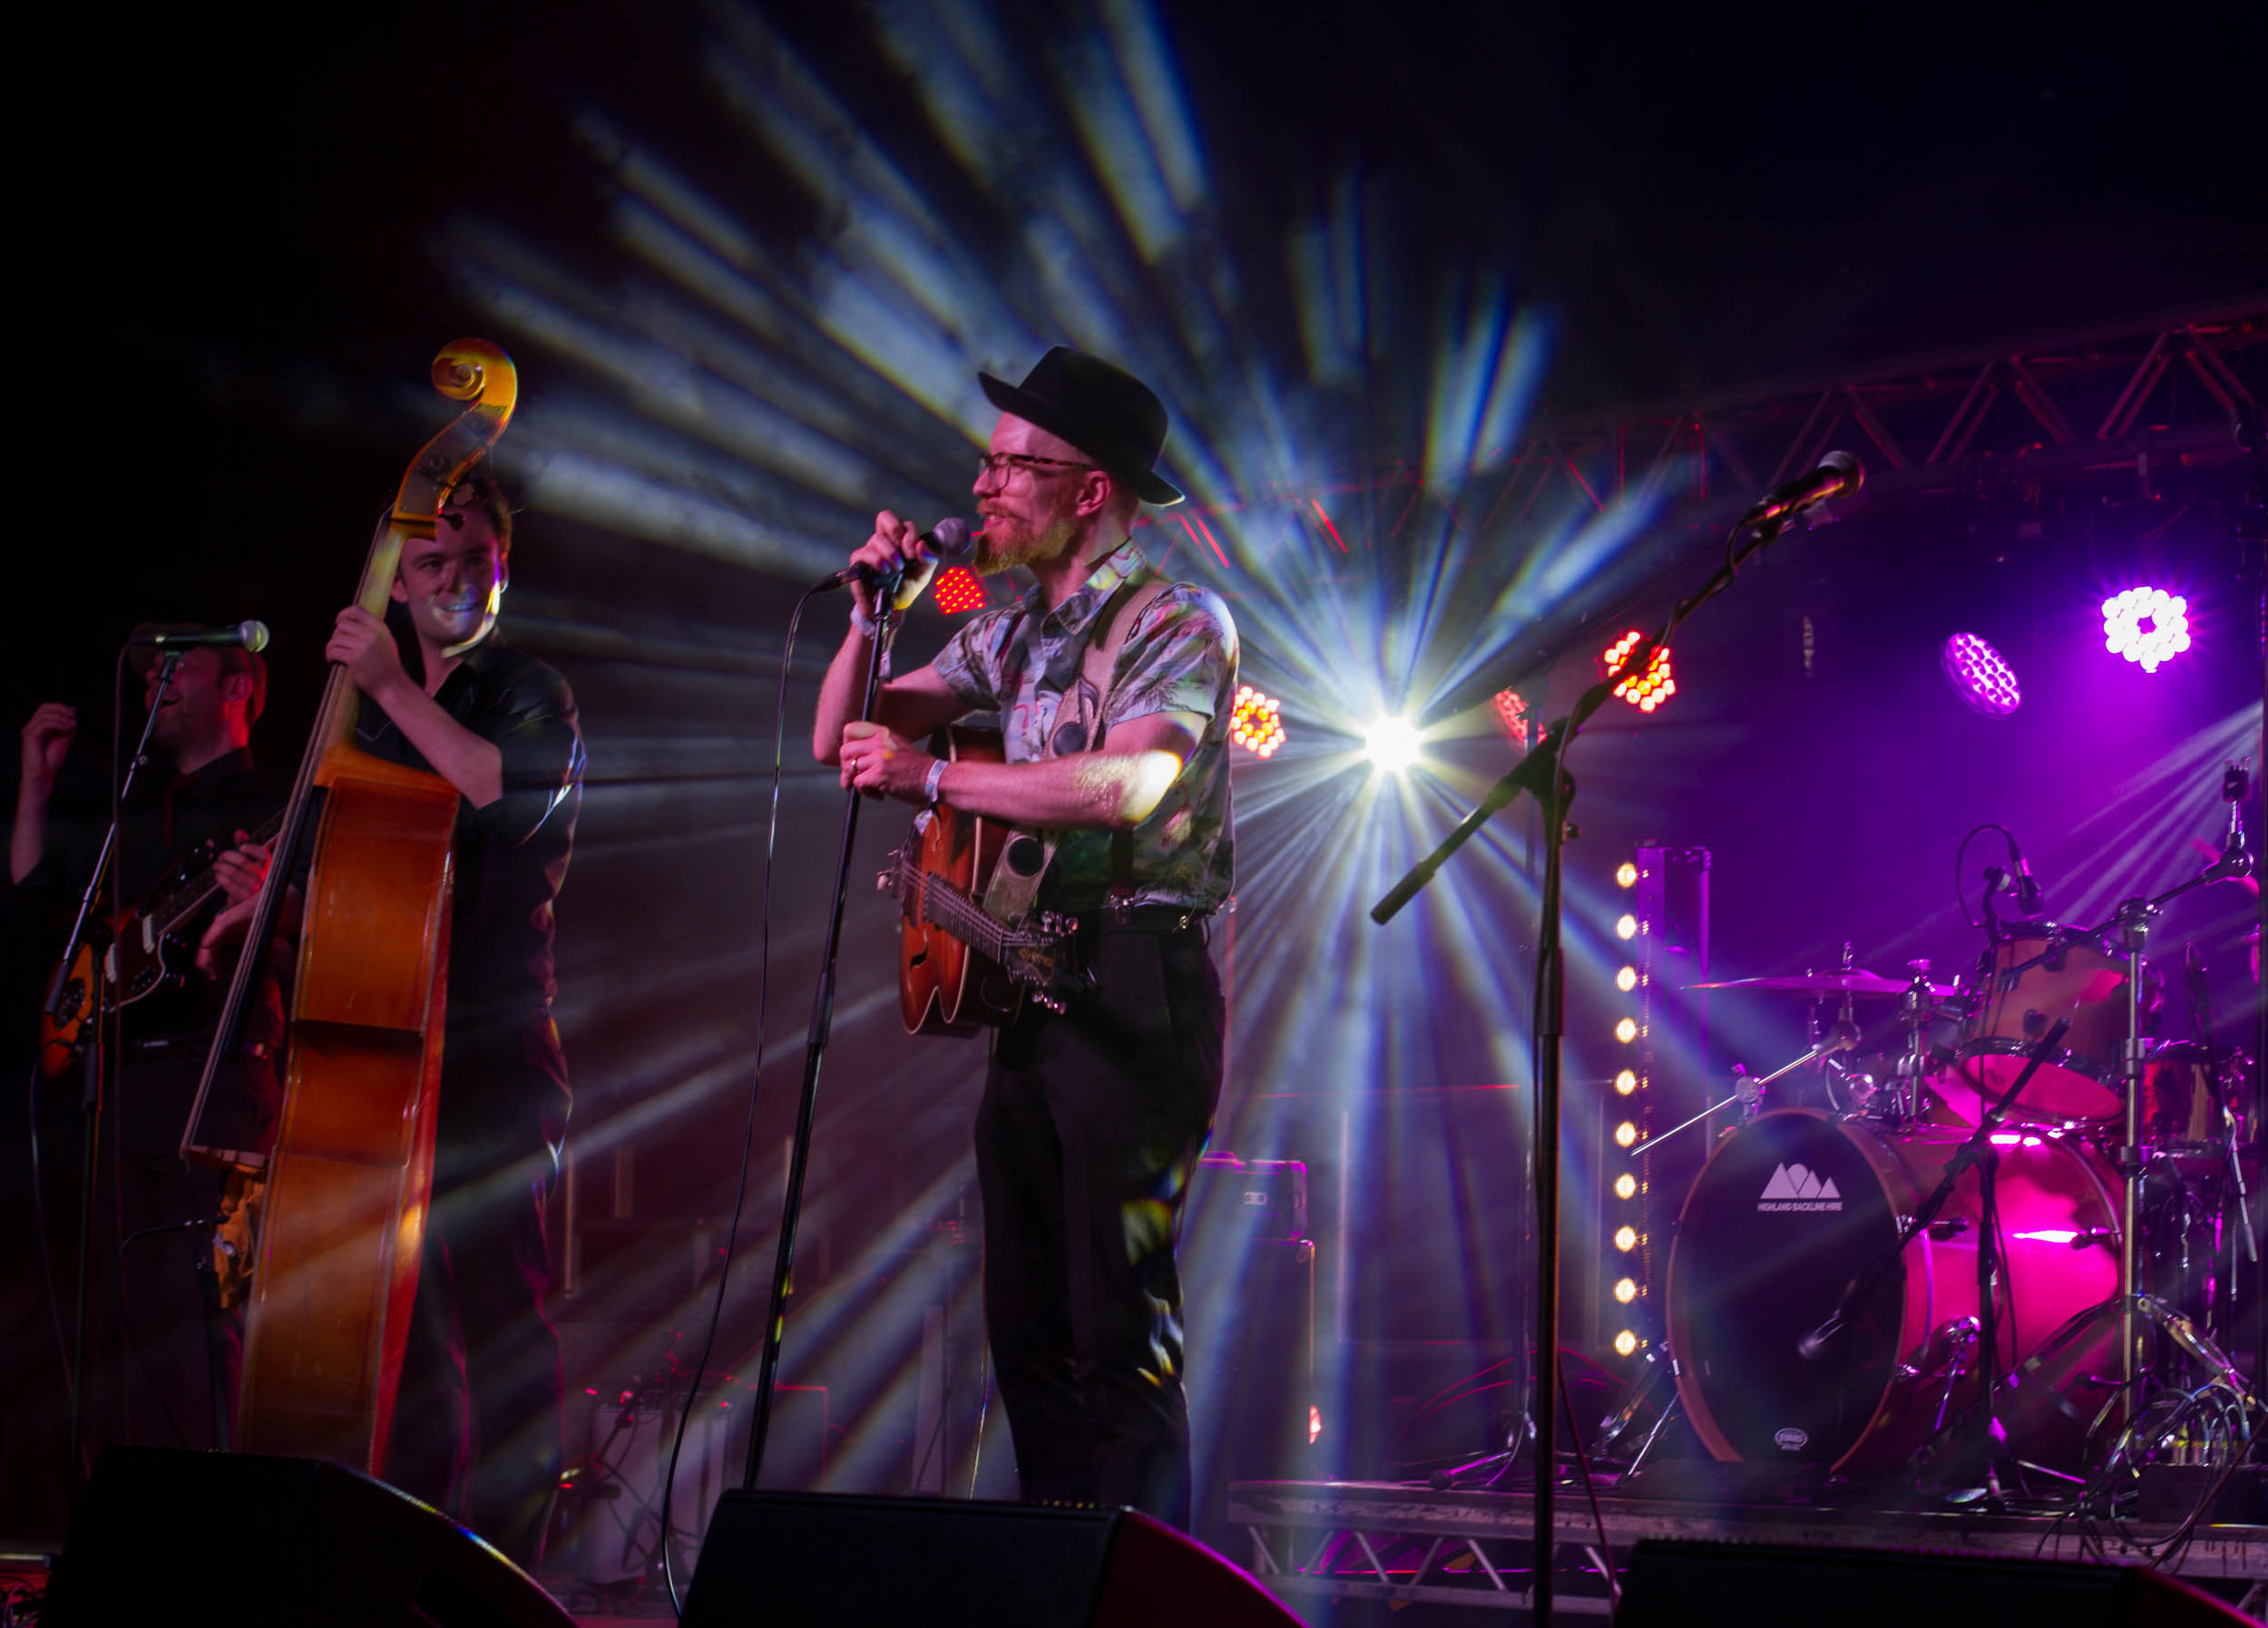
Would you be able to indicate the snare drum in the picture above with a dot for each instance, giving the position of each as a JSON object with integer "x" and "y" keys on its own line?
{"x": 1790, "y": 1208}
{"x": 2036, "y": 974}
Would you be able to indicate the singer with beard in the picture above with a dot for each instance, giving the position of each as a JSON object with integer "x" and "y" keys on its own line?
{"x": 1091, "y": 1119}
{"x": 477, "y": 1427}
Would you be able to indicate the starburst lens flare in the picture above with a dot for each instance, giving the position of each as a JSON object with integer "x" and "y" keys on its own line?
{"x": 1644, "y": 690}
{"x": 2146, "y": 625}
{"x": 1981, "y": 676}
{"x": 1391, "y": 744}
{"x": 1255, "y": 725}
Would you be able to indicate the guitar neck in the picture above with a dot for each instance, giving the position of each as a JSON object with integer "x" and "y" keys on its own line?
{"x": 170, "y": 908}
{"x": 946, "y": 906}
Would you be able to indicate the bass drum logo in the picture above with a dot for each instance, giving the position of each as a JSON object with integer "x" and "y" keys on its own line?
{"x": 1798, "y": 1187}
{"x": 1789, "y": 1439}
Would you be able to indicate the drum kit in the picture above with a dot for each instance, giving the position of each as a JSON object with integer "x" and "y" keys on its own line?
{"x": 2007, "y": 1235}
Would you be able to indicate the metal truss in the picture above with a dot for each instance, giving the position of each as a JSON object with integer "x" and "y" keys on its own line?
{"x": 1402, "y": 1544}
{"x": 2153, "y": 398}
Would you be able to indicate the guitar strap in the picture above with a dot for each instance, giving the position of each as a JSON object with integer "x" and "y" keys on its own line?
{"x": 1014, "y": 890}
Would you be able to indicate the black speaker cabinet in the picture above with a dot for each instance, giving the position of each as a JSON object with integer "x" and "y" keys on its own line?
{"x": 789, "y": 1560}
{"x": 1673, "y": 1580}
{"x": 245, "y": 1541}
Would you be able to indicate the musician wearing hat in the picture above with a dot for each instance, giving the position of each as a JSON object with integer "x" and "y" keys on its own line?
{"x": 1114, "y": 689}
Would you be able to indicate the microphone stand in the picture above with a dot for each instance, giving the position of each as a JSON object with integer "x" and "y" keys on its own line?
{"x": 97, "y": 1063}
{"x": 815, "y": 1048}
{"x": 1541, "y": 774}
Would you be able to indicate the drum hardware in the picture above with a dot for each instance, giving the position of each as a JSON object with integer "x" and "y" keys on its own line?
{"x": 1914, "y": 1009}
{"x": 1853, "y": 982}
{"x": 1827, "y": 1343}
{"x": 1957, "y": 1341}
{"x": 1659, "y": 1370}
{"x": 1748, "y": 1090}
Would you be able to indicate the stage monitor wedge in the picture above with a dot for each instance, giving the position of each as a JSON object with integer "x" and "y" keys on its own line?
{"x": 798, "y": 1560}
{"x": 242, "y": 1540}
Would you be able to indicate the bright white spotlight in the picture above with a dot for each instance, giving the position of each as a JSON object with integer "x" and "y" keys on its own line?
{"x": 1391, "y": 744}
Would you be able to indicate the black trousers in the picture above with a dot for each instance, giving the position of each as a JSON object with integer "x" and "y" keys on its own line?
{"x": 477, "y": 1425}
{"x": 1090, "y": 1124}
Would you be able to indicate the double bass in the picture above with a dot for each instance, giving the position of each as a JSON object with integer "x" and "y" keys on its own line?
{"x": 343, "y": 1215}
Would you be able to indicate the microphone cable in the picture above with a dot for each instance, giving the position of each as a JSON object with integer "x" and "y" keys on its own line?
{"x": 756, "y": 1081}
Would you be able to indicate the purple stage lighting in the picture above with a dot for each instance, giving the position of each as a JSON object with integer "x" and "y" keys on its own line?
{"x": 2146, "y": 625}
{"x": 1980, "y": 676}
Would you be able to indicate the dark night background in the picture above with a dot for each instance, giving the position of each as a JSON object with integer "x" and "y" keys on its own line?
{"x": 250, "y": 231}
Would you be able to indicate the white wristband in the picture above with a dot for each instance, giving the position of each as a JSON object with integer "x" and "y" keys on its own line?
{"x": 861, "y": 623}
{"x": 933, "y": 786}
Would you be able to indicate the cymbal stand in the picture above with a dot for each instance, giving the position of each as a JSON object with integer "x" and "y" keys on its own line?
{"x": 2134, "y": 930}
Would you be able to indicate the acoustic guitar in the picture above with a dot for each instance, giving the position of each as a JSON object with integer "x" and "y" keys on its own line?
{"x": 963, "y": 967}
{"x": 152, "y": 950}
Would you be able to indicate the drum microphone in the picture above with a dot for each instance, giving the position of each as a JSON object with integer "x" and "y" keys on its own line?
{"x": 2026, "y": 886}
{"x": 248, "y": 635}
{"x": 1839, "y": 475}
{"x": 948, "y": 543}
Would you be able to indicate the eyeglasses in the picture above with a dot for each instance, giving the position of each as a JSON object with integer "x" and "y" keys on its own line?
{"x": 1004, "y": 465}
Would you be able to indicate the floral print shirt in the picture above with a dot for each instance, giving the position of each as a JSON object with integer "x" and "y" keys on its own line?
{"x": 1022, "y": 662}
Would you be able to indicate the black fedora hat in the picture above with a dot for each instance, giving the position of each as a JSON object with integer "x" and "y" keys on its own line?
{"x": 1103, "y": 411}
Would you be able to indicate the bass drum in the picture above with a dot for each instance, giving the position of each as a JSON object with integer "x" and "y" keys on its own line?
{"x": 1790, "y": 1208}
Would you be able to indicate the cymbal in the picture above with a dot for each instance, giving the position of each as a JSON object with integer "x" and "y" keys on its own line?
{"x": 1855, "y": 982}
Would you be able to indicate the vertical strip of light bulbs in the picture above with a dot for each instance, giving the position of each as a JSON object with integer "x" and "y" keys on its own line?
{"x": 1627, "y": 1180}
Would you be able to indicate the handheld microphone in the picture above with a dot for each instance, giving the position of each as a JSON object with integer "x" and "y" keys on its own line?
{"x": 250, "y": 636}
{"x": 948, "y": 543}
{"x": 1838, "y": 476}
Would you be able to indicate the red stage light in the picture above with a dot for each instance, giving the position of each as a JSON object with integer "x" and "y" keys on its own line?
{"x": 1511, "y": 713}
{"x": 958, "y": 590}
{"x": 1254, "y": 724}
{"x": 1645, "y": 690}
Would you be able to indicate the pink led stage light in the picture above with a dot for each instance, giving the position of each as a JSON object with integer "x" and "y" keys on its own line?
{"x": 1981, "y": 676}
{"x": 2146, "y": 625}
